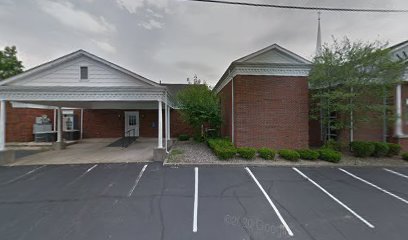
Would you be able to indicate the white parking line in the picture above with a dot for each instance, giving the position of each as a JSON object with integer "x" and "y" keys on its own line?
{"x": 396, "y": 173}
{"x": 195, "y": 199}
{"x": 137, "y": 180}
{"x": 83, "y": 174}
{"x": 270, "y": 202}
{"x": 334, "y": 198}
{"x": 375, "y": 186}
{"x": 25, "y": 174}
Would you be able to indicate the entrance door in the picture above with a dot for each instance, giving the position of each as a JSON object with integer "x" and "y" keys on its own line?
{"x": 132, "y": 124}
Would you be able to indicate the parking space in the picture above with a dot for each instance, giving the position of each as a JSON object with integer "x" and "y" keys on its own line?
{"x": 386, "y": 213}
{"x": 149, "y": 201}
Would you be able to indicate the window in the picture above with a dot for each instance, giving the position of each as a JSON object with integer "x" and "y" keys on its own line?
{"x": 84, "y": 73}
{"x": 132, "y": 120}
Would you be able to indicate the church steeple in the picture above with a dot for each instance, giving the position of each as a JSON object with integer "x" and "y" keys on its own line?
{"x": 319, "y": 37}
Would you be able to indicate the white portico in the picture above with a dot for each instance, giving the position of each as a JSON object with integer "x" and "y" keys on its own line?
{"x": 81, "y": 80}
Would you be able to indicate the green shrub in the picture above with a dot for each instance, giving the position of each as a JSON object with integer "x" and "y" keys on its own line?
{"x": 380, "y": 149}
{"x": 333, "y": 145}
{"x": 290, "y": 155}
{"x": 362, "y": 149}
{"x": 393, "y": 149}
{"x": 223, "y": 148}
{"x": 184, "y": 137}
{"x": 405, "y": 156}
{"x": 223, "y": 142}
{"x": 247, "y": 152}
{"x": 225, "y": 152}
{"x": 308, "y": 154}
{"x": 329, "y": 155}
{"x": 266, "y": 153}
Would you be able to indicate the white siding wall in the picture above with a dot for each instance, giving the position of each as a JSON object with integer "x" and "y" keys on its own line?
{"x": 68, "y": 74}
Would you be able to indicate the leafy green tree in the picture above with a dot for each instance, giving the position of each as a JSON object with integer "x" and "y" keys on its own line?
{"x": 199, "y": 106}
{"x": 352, "y": 82}
{"x": 9, "y": 63}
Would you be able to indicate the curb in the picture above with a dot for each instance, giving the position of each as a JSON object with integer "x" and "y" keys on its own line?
{"x": 166, "y": 163}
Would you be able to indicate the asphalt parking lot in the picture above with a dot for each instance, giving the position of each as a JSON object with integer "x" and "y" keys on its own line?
{"x": 149, "y": 201}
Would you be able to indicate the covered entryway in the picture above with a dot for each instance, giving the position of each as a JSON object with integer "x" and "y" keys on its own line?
{"x": 103, "y": 87}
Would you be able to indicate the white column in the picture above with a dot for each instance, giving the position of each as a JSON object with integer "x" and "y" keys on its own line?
{"x": 2, "y": 125}
{"x": 160, "y": 126}
{"x": 82, "y": 123}
{"x": 55, "y": 120}
{"x": 59, "y": 125}
{"x": 398, "y": 105}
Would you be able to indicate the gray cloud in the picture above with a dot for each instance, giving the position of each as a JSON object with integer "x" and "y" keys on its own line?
{"x": 171, "y": 40}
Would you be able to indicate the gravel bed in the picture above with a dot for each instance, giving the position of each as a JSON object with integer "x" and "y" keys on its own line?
{"x": 191, "y": 152}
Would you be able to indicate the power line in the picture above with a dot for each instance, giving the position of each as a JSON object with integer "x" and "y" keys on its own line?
{"x": 304, "y": 8}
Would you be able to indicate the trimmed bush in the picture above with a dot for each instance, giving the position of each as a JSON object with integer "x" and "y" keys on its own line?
{"x": 393, "y": 149}
{"x": 266, "y": 153}
{"x": 405, "y": 156}
{"x": 380, "y": 149}
{"x": 329, "y": 155}
{"x": 308, "y": 154}
{"x": 222, "y": 148}
{"x": 247, "y": 152}
{"x": 183, "y": 137}
{"x": 362, "y": 149}
{"x": 290, "y": 155}
{"x": 225, "y": 152}
{"x": 223, "y": 142}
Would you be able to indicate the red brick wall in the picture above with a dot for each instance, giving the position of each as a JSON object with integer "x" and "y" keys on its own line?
{"x": 226, "y": 110}
{"x": 271, "y": 111}
{"x": 404, "y": 96}
{"x": 97, "y": 123}
{"x": 178, "y": 125}
{"x": 103, "y": 123}
{"x": 19, "y": 123}
{"x": 111, "y": 123}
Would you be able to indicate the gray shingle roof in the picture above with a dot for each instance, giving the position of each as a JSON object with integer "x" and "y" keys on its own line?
{"x": 173, "y": 89}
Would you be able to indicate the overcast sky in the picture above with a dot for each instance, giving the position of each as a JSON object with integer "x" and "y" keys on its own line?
{"x": 170, "y": 40}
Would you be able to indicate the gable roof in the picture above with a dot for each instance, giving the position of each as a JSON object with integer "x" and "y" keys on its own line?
{"x": 264, "y": 59}
{"x": 274, "y": 49}
{"x": 399, "y": 45}
{"x": 71, "y": 56}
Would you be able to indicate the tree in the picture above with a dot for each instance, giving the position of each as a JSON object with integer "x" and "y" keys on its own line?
{"x": 9, "y": 64}
{"x": 200, "y": 107}
{"x": 351, "y": 83}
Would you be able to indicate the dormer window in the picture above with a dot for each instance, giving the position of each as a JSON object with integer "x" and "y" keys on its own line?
{"x": 84, "y": 73}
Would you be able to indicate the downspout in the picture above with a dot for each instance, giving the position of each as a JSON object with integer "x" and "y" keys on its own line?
{"x": 232, "y": 109}
{"x": 166, "y": 115}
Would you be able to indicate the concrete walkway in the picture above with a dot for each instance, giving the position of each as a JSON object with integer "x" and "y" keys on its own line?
{"x": 94, "y": 151}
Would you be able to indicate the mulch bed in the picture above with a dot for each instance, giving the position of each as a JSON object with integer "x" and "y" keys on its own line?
{"x": 191, "y": 152}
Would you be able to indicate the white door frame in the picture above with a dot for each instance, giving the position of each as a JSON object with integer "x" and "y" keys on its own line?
{"x": 136, "y": 127}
